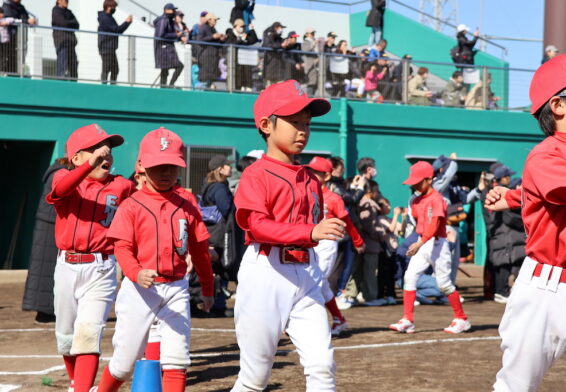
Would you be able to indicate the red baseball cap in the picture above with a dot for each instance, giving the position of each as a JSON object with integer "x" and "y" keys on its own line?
{"x": 162, "y": 147}
{"x": 285, "y": 99}
{"x": 548, "y": 80}
{"x": 320, "y": 164}
{"x": 418, "y": 172}
{"x": 88, "y": 136}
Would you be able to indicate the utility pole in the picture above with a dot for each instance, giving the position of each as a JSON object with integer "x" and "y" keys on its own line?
{"x": 444, "y": 11}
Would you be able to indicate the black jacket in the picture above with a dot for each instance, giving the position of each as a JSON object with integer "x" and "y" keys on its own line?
{"x": 506, "y": 238}
{"x": 466, "y": 48}
{"x": 106, "y": 23}
{"x": 17, "y": 11}
{"x": 273, "y": 63}
{"x": 231, "y": 38}
{"x": 238, "y": 10}
{"x": 375, "y": 16}
{"x": 164, "y": 44}
{"x": 64, "y": 17}
{"x": 208, "y": 55}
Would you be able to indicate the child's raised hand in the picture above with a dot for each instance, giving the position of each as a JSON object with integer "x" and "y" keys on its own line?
{"x": 99, "y": 155}
{"x": 328, "y": 229}
{"x": 146, "y": 278}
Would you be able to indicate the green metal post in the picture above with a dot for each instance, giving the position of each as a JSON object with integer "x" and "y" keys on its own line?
{"x": 343, "y": 132}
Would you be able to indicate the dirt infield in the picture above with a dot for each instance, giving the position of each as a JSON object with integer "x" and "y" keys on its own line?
{"x": 368, "y": 357}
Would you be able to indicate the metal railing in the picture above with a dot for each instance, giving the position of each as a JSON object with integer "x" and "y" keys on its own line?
{"x": 92, "y": 57}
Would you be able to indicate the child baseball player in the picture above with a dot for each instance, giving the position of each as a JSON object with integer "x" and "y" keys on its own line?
{"x": 327, "y": 250}
{"x": 153, "y": 233}
{"x": 533, "y": 327}
{"x": 279, "y": 206}
{"x": 429, "y": 211}
{"x": 85, "y": 198}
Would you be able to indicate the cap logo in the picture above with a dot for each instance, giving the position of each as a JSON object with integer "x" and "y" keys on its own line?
{"x": 99, "y": 129}
{"x": 299, "y": 89}
{"x": 164, "y": 143}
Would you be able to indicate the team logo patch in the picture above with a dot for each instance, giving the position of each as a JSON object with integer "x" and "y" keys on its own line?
{"x": 164, "y": 143}
{"x": 299, "y": 89}
{"x": 109, "y": 210}
{"x": 183, "y": 237}
{"x": 99, "y": 129}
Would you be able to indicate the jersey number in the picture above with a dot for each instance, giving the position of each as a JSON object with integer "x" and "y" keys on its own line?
{"x": 183, "y": 237}
{"x": 109, "y": 210}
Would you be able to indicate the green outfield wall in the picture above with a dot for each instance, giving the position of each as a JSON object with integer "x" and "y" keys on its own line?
{"x": 36, "y": 117}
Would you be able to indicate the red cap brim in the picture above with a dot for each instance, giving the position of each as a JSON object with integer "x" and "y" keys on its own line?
{"x": 164, "y": 159}
{"x": 413, "y": 180}
{"x": 318, "y": 107}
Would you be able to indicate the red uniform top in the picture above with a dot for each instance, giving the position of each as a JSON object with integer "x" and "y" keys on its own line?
{"x": 159, "y": 230}
{"x": 278, "y": 203}
{"x": 425, "y": 209}
{"x": 513, "y": 198}
{"x": 188, "y": 196}
{"x": 85, "y": 208}
{"x": 334, "y": 208}
{"x": 544, "y": 201}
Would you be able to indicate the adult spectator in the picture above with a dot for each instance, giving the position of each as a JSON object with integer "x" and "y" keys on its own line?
{"x": 243, "y": 9}
{"x": 209, "y": 55}
{"x": 454, "y": 94}
{"x": 375, "y": 21}
{"x": 366, "y": 168}
{"x": 549, "y": 52}
{"x": 294, "y": 65}
{"x": 65, "y": 41}
{"x": 391, "y": 229}
{"x": 238, "y": 36}
{"x": 4, "y": 41}
{"x": 181, "y": 26}
{"x": 310, "y": 61}
{"x": 378, "y": 50}
{"x": 397, "y": 77}
{"x": 108, "y": 43}
{"x": 466, "y": 50}
{"x": 330, "y": 43}
{"x": 339, "y": 69}
{"x": 164, "y": 45}
{"x": 385, "y": 86}
{"x": 38, "y": 294}
{"x": 15, "y": 9}
{"x": 273, "y": 63}
{"x": 196, "y": 27}
{"x": 419, "y": 94}
{"x": 474, "y": 99}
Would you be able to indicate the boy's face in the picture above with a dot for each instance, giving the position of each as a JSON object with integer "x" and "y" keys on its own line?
{"x": 338, "y": 171}
{"x": 423, "y": 186}
{"x": 290, "y": 134}
{"x": 100, "y": 172}
{"x": 161, "y": 178}
{"x": 321, "y": 176}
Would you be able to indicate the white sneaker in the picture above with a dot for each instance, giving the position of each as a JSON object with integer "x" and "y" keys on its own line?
{"x": 403, "y": 326}
{"x": 71, "y": 386}
{"x": 458, "y": 326}
{"x": 338, "y": 326}
{"x": 500, "y": 299}
{"x": 344, "y": 302}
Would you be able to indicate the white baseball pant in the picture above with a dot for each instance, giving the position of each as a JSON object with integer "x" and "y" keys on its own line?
{"x": 83, "y": 296}
{"x": 533, "y": 328}
{"x": 272, "y": 298}
{"x": 326, "y": 252}
{"x": 136, "y": 310}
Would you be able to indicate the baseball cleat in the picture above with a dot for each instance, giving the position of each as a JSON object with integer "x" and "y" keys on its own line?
{"x": 458, "y": 326}
{"x": 403, "y": 326}
{"x": 71, "y": 386}
{"x": 338, "y": 326}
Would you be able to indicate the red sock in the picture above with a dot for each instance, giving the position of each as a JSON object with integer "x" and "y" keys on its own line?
{"x": 152, "y": 351}
{"x": 174, "y": 380}
{"x": 70, "y": 366}
{"x": 108, "y": 383}
{"x": 409, "y": 297}
{"x": 454, "y": 299}
{"x": 86, "y": 367}
{"x": 333, "y": 309}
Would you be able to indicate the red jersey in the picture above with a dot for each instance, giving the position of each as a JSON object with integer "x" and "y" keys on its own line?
{"x": 162, "y": 228}
{"x": 544, "y": 201}
{"x": 188, "y": 196}
{"x": 513, "y": 198}
{"x": 85, "y": 208}
{"x": 278, "y": 203}
{"x": 426, "y": 207}
{"x": 334, "y": 208}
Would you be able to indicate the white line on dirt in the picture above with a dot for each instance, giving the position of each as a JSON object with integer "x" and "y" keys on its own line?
{"x": 234, "y": 354}
{"x": 8, "y": 388}
{"x": 111, "y": 329}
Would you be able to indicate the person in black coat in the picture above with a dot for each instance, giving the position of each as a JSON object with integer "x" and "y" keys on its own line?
{"x": 209, "y": 55}
{"x": 466, "y": 50}
{"x": 238, "y": 36}
{"x": 108, "y": 44}
{"x": 294, "y": 63}
{"x": 65, "y": 41}
{"x": 38, "y": 294}
{"x": 164, "y": 45}
{"x": 375, "y": 21}
{"x": 15, "y": 9}
{"x": 273, "y": 63}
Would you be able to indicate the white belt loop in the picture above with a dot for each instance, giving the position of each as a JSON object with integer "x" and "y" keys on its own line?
{"x": 544, "y": 275}
{"x": 552, "y": 284}
{"x": 527, "y": 270}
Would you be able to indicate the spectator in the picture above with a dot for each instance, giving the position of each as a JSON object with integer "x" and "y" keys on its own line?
{"x": 65, "y": 41}
{"x": 294, "y": 67}
{"x": 4, "y": 41}
{"x": 474, "y": 99}
{"x": 108, "y": 44}
{"x": 243, "y": 9}
{"x": 15, "y": 9}
{"x": 358, "y": 68}
{"x": 273, "y": 63}
{"x": 330, "y": 43}
{"x": 238, "y": 36}
{"x": 466, "y": 50}
{"x": 311, "y": 44}
{"x": 375, "y": 21}
{"x": 164, "y": 46}
{"x": 378, "y": 51}
{"x": 38, "y": 294}
{"x": 549, "y": 52}
{"x": 340, "y": 69}
{"x": 454, "y": 94}
{"x": 397, "y": 77}
{"x": 419, "y": 94}
{"x": 386, "y": 265}
{"x": 371, "y": 81}
{"x": 181, "y": 26}
{"x": 366, "y": 168}
{"x": 196, "y": 28}
{"x": 209, "y": 55}
{"x": 385, "y": 87}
